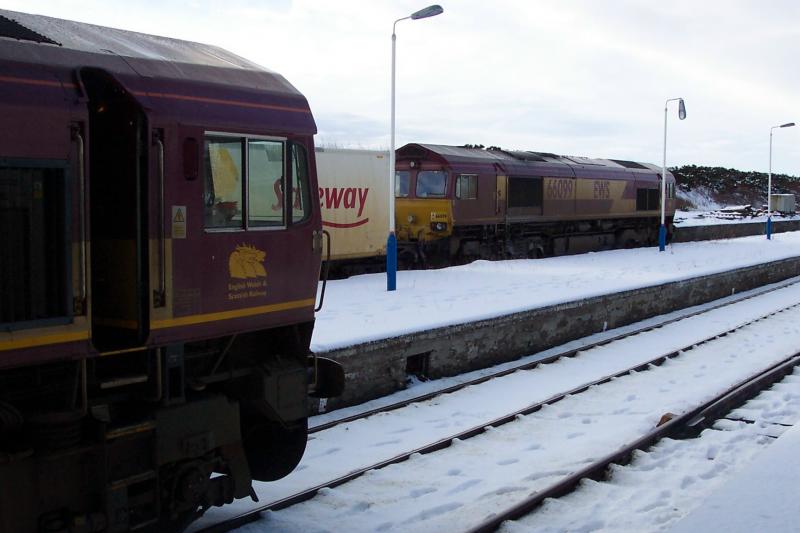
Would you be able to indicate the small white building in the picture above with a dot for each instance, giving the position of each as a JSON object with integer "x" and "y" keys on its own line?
{"x": 783, "y": 203}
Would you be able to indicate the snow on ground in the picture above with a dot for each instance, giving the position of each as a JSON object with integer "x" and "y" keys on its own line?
{"x": 337, "y": 451}
{"x": 359, "y": 309}
{"x": 700, "y": 197}
{"x": 457, "y": 487}
{"x": 684, "y": 219}
{"x": 763, "y": 497}
{"x": 734, "y": 314}
{"x": 676, "y": 477}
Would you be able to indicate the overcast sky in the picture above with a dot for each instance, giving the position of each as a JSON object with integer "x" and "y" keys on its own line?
{"x": 578, "y": 77}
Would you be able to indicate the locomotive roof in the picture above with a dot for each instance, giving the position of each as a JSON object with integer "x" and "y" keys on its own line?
{"x": 513, "y": 159}
{"x": 148, "y": 64}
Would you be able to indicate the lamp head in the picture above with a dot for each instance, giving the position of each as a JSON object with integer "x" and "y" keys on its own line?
{"x": 787, "y": 125}
{"x": 681, "y": 109}
{"x": 430, "y": 11}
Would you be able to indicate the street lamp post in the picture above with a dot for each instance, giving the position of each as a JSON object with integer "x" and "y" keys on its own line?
{"x": 662, "y": 230}
{"x": 391, "y": 241}
{"x": 769, "y": 179}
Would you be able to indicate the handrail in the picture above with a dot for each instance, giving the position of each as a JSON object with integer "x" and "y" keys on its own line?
{"x": 81, "y": 213}
{"x": 160, "y": 297}
{"x": 325, "y": 270}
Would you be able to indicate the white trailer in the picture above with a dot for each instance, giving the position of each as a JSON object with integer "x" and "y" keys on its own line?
{"x": 354, "y": 196}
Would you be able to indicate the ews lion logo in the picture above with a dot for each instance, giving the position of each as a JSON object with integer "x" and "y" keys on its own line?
{"x": 247, "y": 262}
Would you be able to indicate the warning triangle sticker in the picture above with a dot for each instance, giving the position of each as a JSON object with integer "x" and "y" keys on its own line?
{"x": 178, "y": 216}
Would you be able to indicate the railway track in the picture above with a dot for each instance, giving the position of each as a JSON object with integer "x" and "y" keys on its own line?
{"x": 552, "y": 357}
{"x": 686, "y": 425}
{"x": 484, "y": 426}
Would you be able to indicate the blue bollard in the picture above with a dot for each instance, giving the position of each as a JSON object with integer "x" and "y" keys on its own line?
{"x": 769, "y": 228}
{"x": 662, "y": 238}
{"x": 391, "y": 262}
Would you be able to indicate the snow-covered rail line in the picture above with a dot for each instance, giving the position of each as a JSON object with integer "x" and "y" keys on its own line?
{"x": 492, "y": 424}
{"x": 462, "y": 485}
{"x": 689, "y": 423}
{"x": 570, "y": 350}
{"x": 674, "y": 477}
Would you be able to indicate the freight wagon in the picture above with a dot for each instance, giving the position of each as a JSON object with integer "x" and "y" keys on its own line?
{"x": 353, "y": 197}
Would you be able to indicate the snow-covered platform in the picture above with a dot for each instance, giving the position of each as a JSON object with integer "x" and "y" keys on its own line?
{"x": 359, "y": 309}
{"x": 711, "y": 228}
{"x": 449, "y": 321}
{"x": 762, "y": 497}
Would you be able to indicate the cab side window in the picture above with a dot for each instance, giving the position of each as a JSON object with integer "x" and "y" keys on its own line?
{"x": 246, "y": 183}
{"x": 467, "y": 187}
{"x": 265, "y": 191}
{"x": 223, "y": 183}
{"x": 402, "y": 181}
{"x": 301, "y": 190}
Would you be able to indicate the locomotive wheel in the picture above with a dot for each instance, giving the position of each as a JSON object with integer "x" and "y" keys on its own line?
{"x": 273, "y": 450}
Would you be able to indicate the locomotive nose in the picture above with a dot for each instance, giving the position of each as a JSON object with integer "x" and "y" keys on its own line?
{"x": 422, "y": 219}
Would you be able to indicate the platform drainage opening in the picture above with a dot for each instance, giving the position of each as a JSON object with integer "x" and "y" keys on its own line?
{"x": 417, "y": 366}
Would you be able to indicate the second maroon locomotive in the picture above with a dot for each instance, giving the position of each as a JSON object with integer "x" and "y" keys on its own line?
{"x": 455, "y": 204}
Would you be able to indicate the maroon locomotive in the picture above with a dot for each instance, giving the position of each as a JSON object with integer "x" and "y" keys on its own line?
{"x": 457, "y": 203}
{"x": 158, "y": 277}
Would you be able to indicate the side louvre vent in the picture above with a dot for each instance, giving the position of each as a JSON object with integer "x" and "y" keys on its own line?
{"x": 15, "y": 30}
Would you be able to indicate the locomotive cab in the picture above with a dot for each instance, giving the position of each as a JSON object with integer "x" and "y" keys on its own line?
{"x": 159, "y": 279}
{"x": 423, "y": 210}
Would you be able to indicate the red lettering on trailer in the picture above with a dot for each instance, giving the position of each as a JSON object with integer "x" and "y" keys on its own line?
{"x": 362, "y": 200}
{"x": 278, "y": 188}
{"x": 278, "y": 194}
{"x": 345, "y": 225}
{"x": 333, "y": 197}
{"x": 350, "y": 198}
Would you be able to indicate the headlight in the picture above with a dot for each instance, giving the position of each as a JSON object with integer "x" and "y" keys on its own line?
{"x": 438, "y": 226}
{"x": 411, "y": 219}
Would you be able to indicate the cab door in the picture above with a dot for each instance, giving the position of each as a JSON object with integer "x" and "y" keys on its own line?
{"x": 501, "y": 197}
{"x": 118, "y": 203}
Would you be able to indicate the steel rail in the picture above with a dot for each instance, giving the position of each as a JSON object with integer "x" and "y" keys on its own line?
{"x": 441, "y": 444}
{"x": 687, "y": 424}
{"x": 572, "y": 352}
